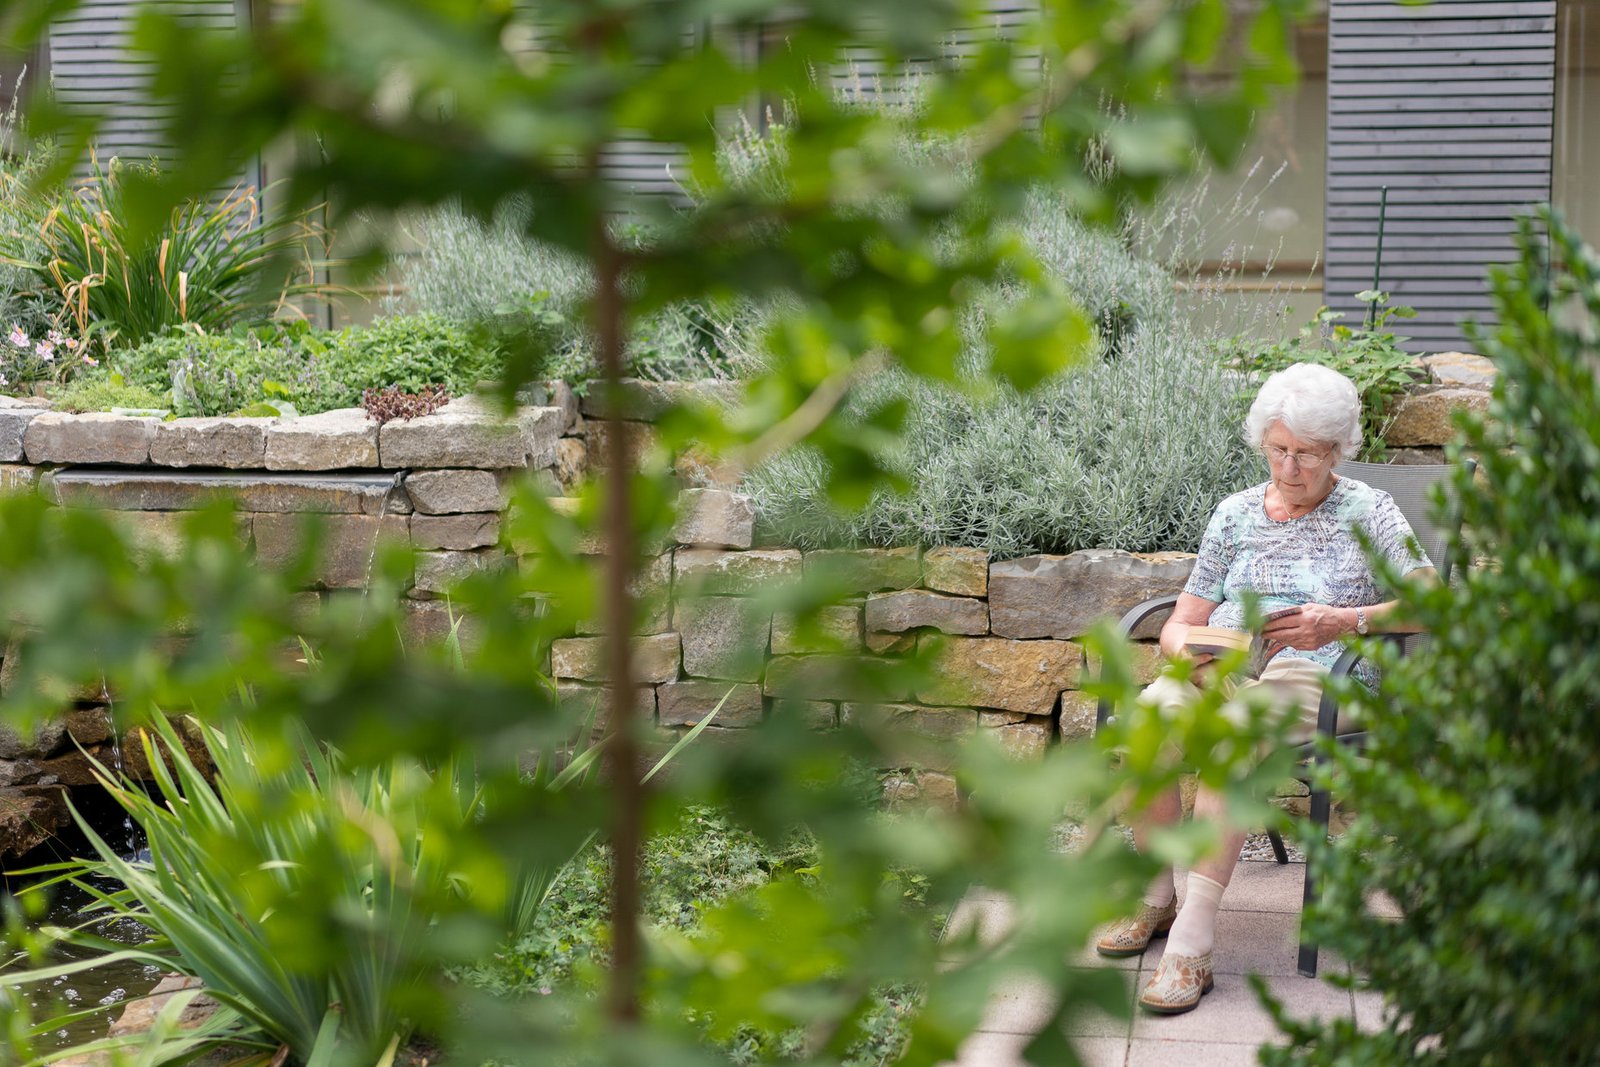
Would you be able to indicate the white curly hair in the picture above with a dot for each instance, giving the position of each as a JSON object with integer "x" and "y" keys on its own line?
{"x": 1313, "y": 402}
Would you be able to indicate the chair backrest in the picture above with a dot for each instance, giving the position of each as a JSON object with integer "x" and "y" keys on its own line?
{"x": 1410, "y": 484}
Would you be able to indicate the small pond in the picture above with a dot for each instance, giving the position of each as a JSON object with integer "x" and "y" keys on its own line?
{"x": 112, "y": 983}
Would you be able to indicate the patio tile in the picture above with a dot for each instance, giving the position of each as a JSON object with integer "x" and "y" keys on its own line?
{"x": 1231, "y": 1012}
{"x": 1265, "y": 886}
{"x": 1369, "y": 1010}
{"x": 1026, "y": 1003}
{"x": 990, "y": 918}
{"x": 1151, "y": 1052}
{"x": 1259, "y": 942}
{"x": 1005, "y": 1050}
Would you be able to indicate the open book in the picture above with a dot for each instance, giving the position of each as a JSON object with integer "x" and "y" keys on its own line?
{"x": 1221, "y": 640}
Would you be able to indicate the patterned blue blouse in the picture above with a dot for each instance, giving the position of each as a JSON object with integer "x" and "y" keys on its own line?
{"x": 1314, "y": 559}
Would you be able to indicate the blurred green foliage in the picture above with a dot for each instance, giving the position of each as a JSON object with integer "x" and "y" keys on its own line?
{"x": 871, "y": 258}
{"x": 1476, "y": 798}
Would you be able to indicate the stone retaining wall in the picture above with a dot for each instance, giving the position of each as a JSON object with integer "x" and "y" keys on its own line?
{"x": 1006, "y": 657}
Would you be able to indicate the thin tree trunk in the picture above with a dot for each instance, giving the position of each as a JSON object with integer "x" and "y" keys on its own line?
{"x": 622, "y": 747}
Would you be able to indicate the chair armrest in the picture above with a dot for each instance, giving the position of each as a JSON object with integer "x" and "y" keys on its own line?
{"x": 1130, "y": 622}
{"x": 1328, "y": 709}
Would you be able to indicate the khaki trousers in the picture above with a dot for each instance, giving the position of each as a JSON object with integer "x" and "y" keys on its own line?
{"x": 1291, "y": 686}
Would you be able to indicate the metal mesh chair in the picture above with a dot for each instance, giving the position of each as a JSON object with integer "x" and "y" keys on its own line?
{"x": 1411, "y": 487}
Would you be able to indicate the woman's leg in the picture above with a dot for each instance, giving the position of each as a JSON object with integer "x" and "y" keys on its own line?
{"x": 1167, "y": 694}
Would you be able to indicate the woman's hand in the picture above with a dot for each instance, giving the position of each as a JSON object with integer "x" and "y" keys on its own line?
{"x": 1313, "y": 626}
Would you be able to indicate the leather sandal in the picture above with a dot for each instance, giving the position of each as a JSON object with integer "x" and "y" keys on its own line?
{"x": 1178, "y": 985}
{"x": 1131, "y": 936}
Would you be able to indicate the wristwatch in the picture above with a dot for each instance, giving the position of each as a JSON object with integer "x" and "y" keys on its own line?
{"x": 1361, "y": 621}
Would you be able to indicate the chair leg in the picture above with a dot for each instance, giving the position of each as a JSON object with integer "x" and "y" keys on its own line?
{"x": 1278, "y": 851}
{"x": 1320, "y": 804}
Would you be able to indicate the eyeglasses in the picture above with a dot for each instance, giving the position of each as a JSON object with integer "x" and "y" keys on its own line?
{"x": 1306, "y": 461}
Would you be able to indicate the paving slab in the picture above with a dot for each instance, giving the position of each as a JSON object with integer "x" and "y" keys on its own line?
{"x": 1230, "y": 1013}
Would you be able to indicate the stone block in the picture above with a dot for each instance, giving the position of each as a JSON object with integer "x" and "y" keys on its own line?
{"x": 1425, "y": 417}
{"x": 210, "y": 442}
{"x": 865, "y": 570}
{"x": 266, "y": 491}
{"x": 96, "y": 437}
{"x": 1146, "y": 657}
{"x": 39, "y": 743}
{"x": 1078, "y": 712}
{"x": 1461, "y": 369}
{"x": 89, "y": 726}
{"x": 553, "y": 393}
{"x": 646, "y": 401}
{"x": 455, "y": 492}
{"x": 13, "y": 427}
{"x": 685, "y": 703}
{"x": 1062, "y": 596}
{"x": 455, "y": 531}
{"x": 437, "y": 573}
{"x": 590, "y": 541}
{"x": 572, "y": 462}
{"x": 29, "y": 819}
{"x": 162, "y": 534}
{"x": 836, "y": 628}
{"x": 1414, "y": 456}
{"x": 429, "y": 622}
{"x": 651, "y": 589}
{"x": 710, "y": 570}
{"x": 723, "y": 636}
{"x": 18, "y": 478}
{"x": 471, "y": 436}
{"x": 910, "y": 735}
{"x": 642, "y": 440}
{"x": 991, "y": 672}
{"x": 922, "y": 789}
{"x": 962, "y": 571}
{"x": 817, "y": 714}
{"x": 330, "y": 440}
{"x": 581, "y": 702}
{"x": 891, "y": 644}
{"x": 715, "y": 518}
{"x": 841, "y": 677}
{"x": 1025, "y": 738}
{"x": 348, "y": 548}
{"x": 655, "y": 658}
{"x": 911, "y": 609}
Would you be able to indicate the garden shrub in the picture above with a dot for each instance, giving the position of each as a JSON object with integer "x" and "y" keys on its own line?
{"x": 481, "y": 272}
{"x": 1130, "y": 451}
{"x": 1477, "y": 800}
{"x": 21, "y": 305}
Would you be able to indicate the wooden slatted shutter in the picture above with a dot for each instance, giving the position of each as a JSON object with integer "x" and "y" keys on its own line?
{"x": 1449, "y": 104}
{"x": 92, "y": 67}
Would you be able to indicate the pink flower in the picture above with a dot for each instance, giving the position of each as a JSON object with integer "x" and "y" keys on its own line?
{"x": 54, "y": 337}
{"x": 90, "y": 360}
{"x": 45, "y": 351}
{"x": 18, "y": 337}
{"x": 3, "y": 380}
{"x": 71, "y": 343}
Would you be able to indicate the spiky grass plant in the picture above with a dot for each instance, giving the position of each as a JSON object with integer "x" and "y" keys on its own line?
{"x": 213, "y": 264}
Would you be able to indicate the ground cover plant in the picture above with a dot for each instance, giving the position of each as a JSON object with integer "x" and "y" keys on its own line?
{"x": 868, "y": 259}
{"x": 198, "y": 372}
{"x": 1476, "y": 796}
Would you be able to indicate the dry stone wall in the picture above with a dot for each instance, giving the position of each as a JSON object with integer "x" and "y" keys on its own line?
{"x": 1002, "y": 634}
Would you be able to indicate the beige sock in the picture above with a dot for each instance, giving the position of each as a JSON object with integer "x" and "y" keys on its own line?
{"x": 1195, "y": 930}
{"x": 1161, "y": 890}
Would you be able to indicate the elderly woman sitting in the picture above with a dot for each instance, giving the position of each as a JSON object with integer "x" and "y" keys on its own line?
{"x": 1289, "y": 543}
